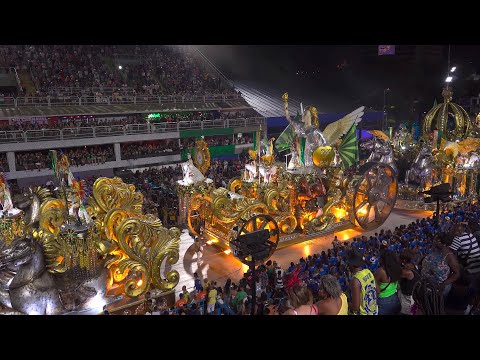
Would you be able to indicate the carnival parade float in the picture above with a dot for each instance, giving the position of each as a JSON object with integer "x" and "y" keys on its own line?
{"x": 448, "y": 152}
{"x": 320, "y": 189}
{"x": 62, "y": 252}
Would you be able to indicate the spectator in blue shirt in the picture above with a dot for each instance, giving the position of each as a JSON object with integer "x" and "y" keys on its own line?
{"x": 197, "y": 282}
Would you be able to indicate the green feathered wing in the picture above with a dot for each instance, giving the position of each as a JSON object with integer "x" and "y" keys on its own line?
{"x": 287, "y": 137}
{"x": 348, "y": 149}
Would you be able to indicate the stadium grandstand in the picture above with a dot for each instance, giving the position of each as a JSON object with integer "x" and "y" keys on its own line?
{"x": 111, "y": 107}
{"x": 133, "y": 111}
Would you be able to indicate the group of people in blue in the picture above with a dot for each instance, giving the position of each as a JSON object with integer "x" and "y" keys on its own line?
{"x": 417, "y": 237}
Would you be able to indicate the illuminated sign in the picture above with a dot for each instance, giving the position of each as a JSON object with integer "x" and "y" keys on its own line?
{"x": 153, "y": 116}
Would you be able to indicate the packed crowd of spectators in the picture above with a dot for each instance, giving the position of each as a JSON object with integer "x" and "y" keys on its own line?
{"x": 219, "y": 140}
{"x": 78, "y": 157}
{"x": 244, "y": 139}
{"x": 149, "y": 149}
{"x": 155, "y": 70}
{"x": 415, "y": 269}
{"x": 55, "y": 66}
{"x": 221, "y": 171}
{"x": 135, "y": 119}
{"x": 3, "y": 162}
{"x": 6, "y": 94}
{"x": 159, "y": 186}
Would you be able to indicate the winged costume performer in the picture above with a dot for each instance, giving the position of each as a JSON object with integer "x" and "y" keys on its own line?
{"x": 308, "y": 128}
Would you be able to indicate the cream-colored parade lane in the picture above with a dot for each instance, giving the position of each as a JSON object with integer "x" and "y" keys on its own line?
{"x": 213, "y": 264}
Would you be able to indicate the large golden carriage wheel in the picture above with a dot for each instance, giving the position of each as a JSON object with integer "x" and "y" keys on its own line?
{"x": 375, "y": 195}
{"x": 261, "y": 222}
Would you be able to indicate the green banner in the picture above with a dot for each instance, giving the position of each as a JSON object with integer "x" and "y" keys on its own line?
{"x": 222, "y": 150}
{"x": 205, "y": 132}
{"x": 215, "y": 151}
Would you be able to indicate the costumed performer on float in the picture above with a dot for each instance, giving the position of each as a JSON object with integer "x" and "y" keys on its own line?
{"x": 5, "y": 196}
{"x": 191, "y": 174}
{"x": 308, "y": 128}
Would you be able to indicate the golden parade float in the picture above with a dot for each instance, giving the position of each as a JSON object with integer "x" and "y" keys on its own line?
{"x": 449, "y": 152}
{"x": 72, "y": 250}
{"x": 321, "y": 189}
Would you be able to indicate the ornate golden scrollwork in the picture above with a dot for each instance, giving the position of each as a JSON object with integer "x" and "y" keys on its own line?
{"x": 235, "y": 185}
{"x": 319, "y": 224}
{"x": 113, "y": 194}
{"x": 138, "y": 244}
{"x": 201, "y": 156}
{"x": 228, "y": 210}
{"x": 146, "y": 245}
{"x": 287, "y": 223}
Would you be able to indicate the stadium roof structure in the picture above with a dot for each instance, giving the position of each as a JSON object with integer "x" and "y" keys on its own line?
{"x": 266, "y": 102}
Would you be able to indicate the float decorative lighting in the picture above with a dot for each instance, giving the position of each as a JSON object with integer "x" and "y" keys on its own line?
{"x": 340, "y": 213}
{"x": 306, "y": 250}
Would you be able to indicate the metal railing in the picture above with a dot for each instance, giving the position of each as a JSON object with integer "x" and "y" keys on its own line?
{"x": 119, "y": 99}
{"x": 120, "y": 130}
{"x": 73, "y": 91}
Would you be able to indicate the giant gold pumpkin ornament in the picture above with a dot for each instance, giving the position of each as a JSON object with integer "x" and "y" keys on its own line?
{"x": 323, "y": 156}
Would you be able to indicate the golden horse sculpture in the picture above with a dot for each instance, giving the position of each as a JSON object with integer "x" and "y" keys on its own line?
{"x": 133, "y": 245}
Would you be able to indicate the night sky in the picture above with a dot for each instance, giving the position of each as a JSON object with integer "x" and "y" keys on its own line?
{"x": 339, "y": 78}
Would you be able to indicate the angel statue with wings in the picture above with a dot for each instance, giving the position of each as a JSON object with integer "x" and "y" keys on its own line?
{"x": 308, "y": 129}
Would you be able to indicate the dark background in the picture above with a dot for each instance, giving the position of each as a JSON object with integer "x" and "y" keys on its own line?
{"x": 339, "y": 78}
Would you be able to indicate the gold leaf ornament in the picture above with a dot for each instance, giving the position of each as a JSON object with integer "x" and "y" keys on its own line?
{"x": 147, "y": 245}
{"x": 113, "y": 194}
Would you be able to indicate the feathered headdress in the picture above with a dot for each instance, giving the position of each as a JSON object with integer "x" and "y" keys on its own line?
{"x": 293, "y": 279}
{"x": 79, "y": 189}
